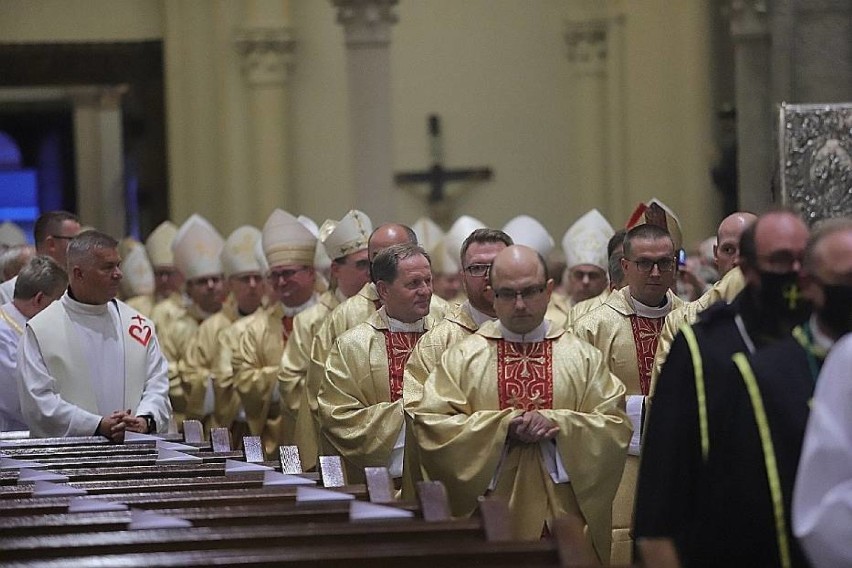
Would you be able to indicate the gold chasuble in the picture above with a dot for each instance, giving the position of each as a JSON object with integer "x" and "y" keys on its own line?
{"x": 347, "y": 315}
{"x": 294, "y": 368}
{"x": 482, "y": 384}
{"x": 174, "y": 339}
{"x": 164, "y": 314}
{"x": 228, "y": 411}
{"x": 462, "y": 321}
{"x": 580, "y": 309}
{"x": 199, "y": 361}
{"x": 256, "y": 364}
{"x": 725, "y": 289}
{"x": 144, "y": 304}
{"x": 628, "y": 341}
{"x": 360, "y": 398}
{"x": 558, "y": 309}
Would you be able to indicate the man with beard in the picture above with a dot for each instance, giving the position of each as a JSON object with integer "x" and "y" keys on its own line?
{"x": 702, "y": 449}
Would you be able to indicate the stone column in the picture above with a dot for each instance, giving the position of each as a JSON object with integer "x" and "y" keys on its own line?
{"x": 99, "y": 151}
{"x": 265, "y": 45}
{"x": 755, "y": 106}
{"x": 367, "y": 26}
{"x": 594, "y": 54}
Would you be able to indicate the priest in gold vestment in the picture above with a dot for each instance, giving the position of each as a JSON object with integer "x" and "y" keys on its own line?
{"x": 360, "y": 398}
{"x": 523, "y": 410}
{"x": 196, "y": 247}
{"x": 245, "y": 285}
{"x": 625, "y": 329}
{"x": 290, "y": 250}
{"x": 350, "y": 313}
{"x": 345, "y": 242}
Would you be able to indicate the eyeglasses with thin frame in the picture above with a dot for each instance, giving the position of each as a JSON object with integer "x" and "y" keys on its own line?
{"x": 526, "y": 294}
{"x": 646, "y": 265}
{"x": 276, "y": 275}
{"x": 478, "y": 270}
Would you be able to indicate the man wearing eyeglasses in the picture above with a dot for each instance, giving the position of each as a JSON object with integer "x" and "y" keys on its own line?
{"x": 345, "y": 242}
{"x": 360, "y": 398}
{"x": 206, "y": 399}
{"x": 477, "y": 253}
{"x": 625, "y": 329}
{"x": 52, "y": 233}
{"x": 290, "y": 248}
{"x": 704, "y": 476}
{"x": 524, "y": 410}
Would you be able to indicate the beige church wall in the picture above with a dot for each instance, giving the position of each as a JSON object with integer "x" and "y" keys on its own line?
{"x": 34, "y": 21}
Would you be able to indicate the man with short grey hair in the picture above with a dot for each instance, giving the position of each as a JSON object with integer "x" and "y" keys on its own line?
{"x": 90, "y": 364}
{"x": 39, "y": 283}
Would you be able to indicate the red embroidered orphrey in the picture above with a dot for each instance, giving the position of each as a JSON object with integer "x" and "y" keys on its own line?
{"x": 525, "y": 374}
{"x": 141, "y": 333}
{"x": 286, "y": 327}
{"x": 646, "y": 333}
{"x": 399, "y": 345}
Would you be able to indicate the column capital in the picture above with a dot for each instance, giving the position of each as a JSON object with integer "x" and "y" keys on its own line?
{"x": 101, "y": 98}
{"x": 749, "y": 18}
{"x": 366, "y": 22}
{"x": 587, "y": 45}
{"x": 265, "y": 53}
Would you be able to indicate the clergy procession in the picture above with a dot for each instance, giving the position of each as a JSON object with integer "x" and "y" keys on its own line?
{"x": 676, "y": 420}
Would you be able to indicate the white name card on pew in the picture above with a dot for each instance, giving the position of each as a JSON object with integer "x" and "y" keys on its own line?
{"x": 12, "y": 463}
{"x": 364, "y": 511}
{"x": 312, "y": 494}
{"x": 147, "y": 520}
{"x": 137, "y": 438}
{"x": 166, "y": 445}
{"x": 27, "y": 475}
{"x": 271, "y": 478}
{"x": 49, "y": 489}
{"x": 174, "y": 456}
{"x": 88, "y": 505}
{"x": 234, "y": 466}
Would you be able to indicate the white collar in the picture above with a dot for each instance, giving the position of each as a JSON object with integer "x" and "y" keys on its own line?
{"x": 645, "y": 311}
{"x": 394, "y": 325}
{"x": 291, "y": 311}
{"x": 73, "y": 305}
{"x": 533, "y": 336}
{"x": 478, "y": 317}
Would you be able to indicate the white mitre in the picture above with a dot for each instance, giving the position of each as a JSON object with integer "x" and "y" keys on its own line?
{"x": 461, "y": 229}
{"x": 321, "y": 260}
{"x": 527, "y": 231}
{"x": 259, "y": 257}
{"x": 442, "y": 261}
{"x": 12, "y": 235}
{"x": 238, "y": 253}
{"x": 159, "y": 244}
{"x": 138, "y": 274}
{"x": 429, "y": 234}
{"x": 348, "y": 235}
{"x": 287, "y": 241}
{"x": 197, "y": 248}
{"x": 586, "y": 240}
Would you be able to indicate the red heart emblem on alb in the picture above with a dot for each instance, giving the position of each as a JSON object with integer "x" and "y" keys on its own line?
{"x": 142, "y": 334}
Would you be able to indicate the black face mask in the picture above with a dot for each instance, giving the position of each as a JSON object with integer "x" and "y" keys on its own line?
{"x": 836, "y": 312}
{"x": 782, "y": 299}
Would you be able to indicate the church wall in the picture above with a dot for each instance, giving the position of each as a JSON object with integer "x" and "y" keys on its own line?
{"x": 496, "y": 71}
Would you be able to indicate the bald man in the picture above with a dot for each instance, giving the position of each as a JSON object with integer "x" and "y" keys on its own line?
{"x": 524, "y": 410}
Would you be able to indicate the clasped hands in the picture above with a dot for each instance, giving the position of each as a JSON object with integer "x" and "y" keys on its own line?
{"x": 113, "y": 426}
{"x": 532, "y": 427}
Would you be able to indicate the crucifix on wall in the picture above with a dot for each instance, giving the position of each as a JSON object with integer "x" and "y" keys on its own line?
{"x": 437, "y": 176}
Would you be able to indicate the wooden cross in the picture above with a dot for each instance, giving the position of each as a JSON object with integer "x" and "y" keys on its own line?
{"x": 438, "y": 176}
